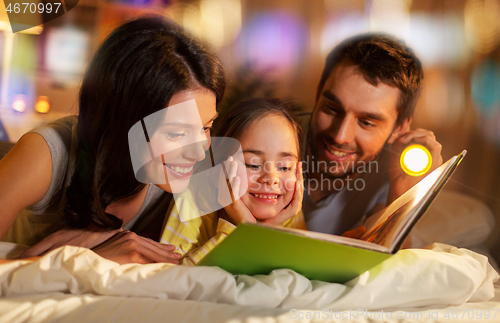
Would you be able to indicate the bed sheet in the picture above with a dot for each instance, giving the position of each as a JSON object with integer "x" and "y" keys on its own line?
{"x": 59, "y": 307}
{"x": 75, "y": 285}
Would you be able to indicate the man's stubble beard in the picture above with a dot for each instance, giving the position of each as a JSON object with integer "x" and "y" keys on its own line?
{"x": 312, "y": 150}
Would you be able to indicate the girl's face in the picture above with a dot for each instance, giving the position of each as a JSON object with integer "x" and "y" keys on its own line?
{"x": 271, "y": 154}
{"x": 183, "y": 137}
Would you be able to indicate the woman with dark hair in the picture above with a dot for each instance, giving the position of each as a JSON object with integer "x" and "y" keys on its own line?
{"x": 72, "y": 182}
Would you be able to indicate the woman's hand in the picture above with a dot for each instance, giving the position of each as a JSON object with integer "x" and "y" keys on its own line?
{"x": 116, "y": 245}
{"x": 127, "y": 247}
{"x": 295, "y": 204}
{"x": 237, "y": 210}
{"x": 87, "y": 238}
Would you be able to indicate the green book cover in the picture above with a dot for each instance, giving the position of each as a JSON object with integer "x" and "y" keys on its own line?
{"x": 256, "y": 249}
{"x": 253, "y": 249}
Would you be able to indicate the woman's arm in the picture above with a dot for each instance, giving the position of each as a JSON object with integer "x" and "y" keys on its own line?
{"x": 25, "y": 175}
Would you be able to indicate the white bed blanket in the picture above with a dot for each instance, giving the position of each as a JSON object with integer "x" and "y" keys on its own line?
{"x": 412, "y": 278}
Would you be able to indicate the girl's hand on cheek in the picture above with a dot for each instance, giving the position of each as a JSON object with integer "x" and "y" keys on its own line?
{"x": 295, "y": 204}
{"x": 237, "y": 211}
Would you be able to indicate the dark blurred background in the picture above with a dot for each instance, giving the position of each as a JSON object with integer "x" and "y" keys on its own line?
{"x": 278, "y": 48}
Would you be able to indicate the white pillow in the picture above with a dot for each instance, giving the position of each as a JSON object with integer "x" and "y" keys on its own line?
{"x": 455, "y": 219}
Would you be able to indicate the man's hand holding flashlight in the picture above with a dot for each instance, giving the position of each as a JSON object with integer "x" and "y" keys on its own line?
{"x": 401, "y": 181}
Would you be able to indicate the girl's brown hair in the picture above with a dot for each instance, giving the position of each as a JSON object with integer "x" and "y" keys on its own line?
{"x": 243, "y": 114}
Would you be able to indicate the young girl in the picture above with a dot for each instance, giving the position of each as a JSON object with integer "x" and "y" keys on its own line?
{"x": 269, "y": 136}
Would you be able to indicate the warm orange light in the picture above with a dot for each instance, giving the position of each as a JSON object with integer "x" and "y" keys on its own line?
{"x": 482, "y": 26}
{"x": 42, "y": 104}
{"x": 19, "y": 103}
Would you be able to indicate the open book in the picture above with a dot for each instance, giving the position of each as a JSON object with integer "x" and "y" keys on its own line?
{"x": 258, "y": 249}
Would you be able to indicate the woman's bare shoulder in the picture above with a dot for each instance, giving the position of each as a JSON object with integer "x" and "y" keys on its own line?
{"x": 25, "y": 176}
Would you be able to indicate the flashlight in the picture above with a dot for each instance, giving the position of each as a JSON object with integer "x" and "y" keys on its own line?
{"x": 416, "y": 160}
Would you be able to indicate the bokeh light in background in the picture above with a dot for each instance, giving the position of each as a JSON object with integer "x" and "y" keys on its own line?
{"x": 490, "y": 127}
{"x": 340, "y": 7}
{"x": 392, "y": 16}
{"x": 482, "y": 24}
{"x": 274, "y": 41}
{"x": 21, "y": 87}
{"x": 25, "y": 60}
{"x": 218, "y": 22}
{"x": 485, "y": 93}
{"x": 438, "y": 39}
{"x": 19, "y": 103}
{"x": 42, "y": 104}
{"x": 67, "y": 51}
{"x": 340, "y": 28}
{"x": 345, "y": 19}
{"x": 443, "y": 100}
{"x": 134, "y": 2}
{"x": 485, "y": 87}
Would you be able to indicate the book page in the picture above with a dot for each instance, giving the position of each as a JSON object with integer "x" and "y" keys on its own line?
{"x": 379, "y": 234}
{"x": 386, "y": 226}
{"x": 330, "y": 238}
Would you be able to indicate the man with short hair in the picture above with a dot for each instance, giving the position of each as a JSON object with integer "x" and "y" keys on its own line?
{"x": 358, "y": 130}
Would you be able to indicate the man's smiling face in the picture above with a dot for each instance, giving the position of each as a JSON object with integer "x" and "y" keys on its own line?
{"x": 352, "y": 121}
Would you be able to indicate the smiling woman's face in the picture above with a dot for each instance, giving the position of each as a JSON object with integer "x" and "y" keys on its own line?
{"x": 182, "y": 138}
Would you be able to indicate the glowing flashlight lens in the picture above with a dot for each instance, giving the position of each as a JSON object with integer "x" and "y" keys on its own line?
{"x": 416, "y": 160}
